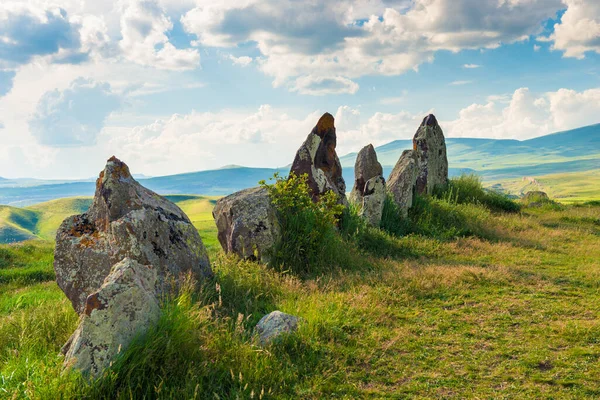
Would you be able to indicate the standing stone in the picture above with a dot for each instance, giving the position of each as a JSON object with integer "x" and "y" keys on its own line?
{"x": 373, "y": 201}
{"x": 125, "y": 220}
{"x": 125, "y": 306}
{"x": 402, "y": 180}
{"x": 369, "y": 185}
{"x": 430, "y": 149}
{"x": 317, "y": 158}
{"x": 247, "y": 223}
{"x": 275, "y": 324}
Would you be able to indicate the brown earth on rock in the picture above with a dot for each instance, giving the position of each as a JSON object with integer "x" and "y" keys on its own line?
{"x": 125, "y": 220}
{"x": 317, "y": 158}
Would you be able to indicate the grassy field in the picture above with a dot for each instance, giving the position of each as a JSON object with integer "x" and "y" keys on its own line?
{"x": 566, "y": 187}
{"x": 513, "y": 312}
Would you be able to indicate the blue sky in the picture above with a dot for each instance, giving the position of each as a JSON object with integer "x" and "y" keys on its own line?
{"x": 173, "y": 86}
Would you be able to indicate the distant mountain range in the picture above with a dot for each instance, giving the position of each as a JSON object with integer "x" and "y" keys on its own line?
{"x": 577, "y": 150}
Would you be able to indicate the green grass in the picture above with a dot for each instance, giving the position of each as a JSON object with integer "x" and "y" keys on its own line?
{"x": 512, "y": 311}
{"x": 565, "y": 188}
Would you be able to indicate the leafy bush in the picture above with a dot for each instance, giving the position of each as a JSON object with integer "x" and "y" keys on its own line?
{"x": 467, "y": 189}
{"x": 309, "y": 238}
{"x": 442, "y": 218}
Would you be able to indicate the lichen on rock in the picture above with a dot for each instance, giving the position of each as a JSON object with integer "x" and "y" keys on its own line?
{"x": 125, "y": 220}
{"x": 123, "y": 308}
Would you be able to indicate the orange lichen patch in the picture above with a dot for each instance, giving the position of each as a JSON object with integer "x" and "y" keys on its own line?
{"x": 120, "y": 169}
{"x": 325, "y": 123}
{"x": 87, "y": 242}
{"x": 81, "y": 227}
{"x": 92, "y": 303}
{"x": 99, "y": 180}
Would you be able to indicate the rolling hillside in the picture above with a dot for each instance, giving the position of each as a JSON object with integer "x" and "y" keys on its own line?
{"x": 496, "y": 161}
{"x": 571, "y": 151}
{"x": 41, "y": 221}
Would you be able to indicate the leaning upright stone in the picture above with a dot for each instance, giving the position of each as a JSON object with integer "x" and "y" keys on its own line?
{"x": 125, "y": 220}
{"x": 402, "y": 180}
{"x": 369, "y": 185}
{"x": 317, "y": 158}
{"x": 430, "y": 149}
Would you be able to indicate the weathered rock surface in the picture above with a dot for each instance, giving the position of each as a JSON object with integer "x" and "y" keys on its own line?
{"x": 373, "y": 201}
{"x": 247, "y": 223}
{"x": 125, "y": 220}
{"x": 317, "y": 158}
{"x": 432, "y": 160}
{"x": 402, "y": 180}
{"x": 275, "y": 324}
{"x": 126, "y": 305}
{"x": 366, "y": 167}
{"x": 369, "y": 185}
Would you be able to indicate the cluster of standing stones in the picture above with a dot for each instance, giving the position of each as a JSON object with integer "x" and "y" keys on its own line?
{"x": 117, "y": 261}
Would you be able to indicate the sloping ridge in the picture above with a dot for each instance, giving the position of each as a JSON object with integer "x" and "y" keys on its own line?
{"x": 41, "y": 221}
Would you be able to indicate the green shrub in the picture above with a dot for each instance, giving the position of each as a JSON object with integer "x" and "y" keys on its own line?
{"x": 467, "y": 189}
{"x": 441, "y": 218}
{"x": 445, "y": 220}
{"x": 309, "y": 237}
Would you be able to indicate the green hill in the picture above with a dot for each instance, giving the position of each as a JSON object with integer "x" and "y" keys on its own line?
{"x": 16, "y": 224}
{"x": 42, "y": 220}
{"x": 576, "y": 150}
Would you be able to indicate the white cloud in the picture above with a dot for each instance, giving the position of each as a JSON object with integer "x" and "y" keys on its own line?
{"x": 27, "y": 31}
{"x": 242, "y": 61}
{"x": 75, "y": 116}
{"x": 536, "y": 47}
{"x": 578, "y": 31}
{"x": 265, "y": 137}
{"x": 471, "y": 66}
{"x": 527, "y": 115}
{"x": 143, "y": 27}
{"x": 460, "y": 83}
{"x": 316, "y": 85}
{"x": 328, "y": 40}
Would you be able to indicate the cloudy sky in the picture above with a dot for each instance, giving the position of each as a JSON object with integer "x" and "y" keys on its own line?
{"x": 173, "y": 86}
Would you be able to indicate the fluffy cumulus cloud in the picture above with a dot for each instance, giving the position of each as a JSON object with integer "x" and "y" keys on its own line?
{"x": 578, "y": 31}
{"x": 205, "y": 140}
{"x": 75, "y": 116}
{"x": 26, "y": 32}
{"x": 144, "y": 24}
{"x": 527, "y": 115}
{"x": 334, "y": 40}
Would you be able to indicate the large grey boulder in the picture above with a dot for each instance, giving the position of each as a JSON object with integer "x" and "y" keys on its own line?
{"x": 432, "y": 160}
{"x": 402, "y": 180}
{"x": 125, "y": 306}
{"x": 317, "y": 158}
{"x": 247, "y": 223}
{"x": 369, "y": 185}
{"x": 275, "y": 324}
{"x": 125, "y": 220}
